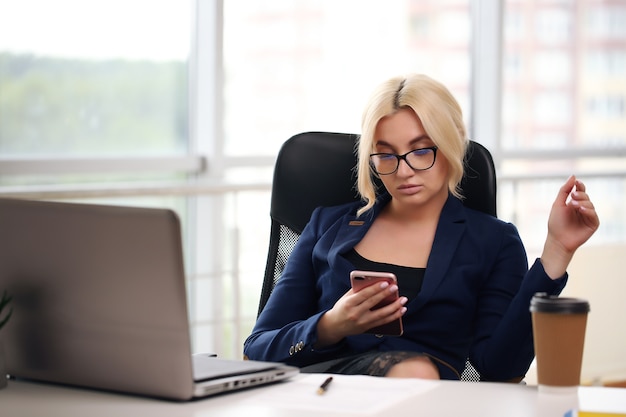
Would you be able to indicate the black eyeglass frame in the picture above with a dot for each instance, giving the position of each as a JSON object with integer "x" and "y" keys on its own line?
{"x": 403, "y": 157}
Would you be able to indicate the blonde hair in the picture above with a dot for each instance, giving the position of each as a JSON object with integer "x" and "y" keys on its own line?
{"x": 441, "y": 117}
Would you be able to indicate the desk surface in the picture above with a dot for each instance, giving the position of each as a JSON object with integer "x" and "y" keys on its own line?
{"x": 346, "y": 396}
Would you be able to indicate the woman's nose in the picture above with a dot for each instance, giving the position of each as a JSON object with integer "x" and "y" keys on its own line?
{"x": 404, "y": 168}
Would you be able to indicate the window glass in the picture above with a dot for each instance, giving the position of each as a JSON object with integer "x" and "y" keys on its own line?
{"x": 553, "y": 26}
{"x": 93, "y": 78}
{"x": 553, "y": 68}
{"x": 293, "y": 66}
{"x": 552, "y": 109}
{"x": 566, "y": 77}
{"x": 564, "y": 102}
{"x": 606, "y": 21}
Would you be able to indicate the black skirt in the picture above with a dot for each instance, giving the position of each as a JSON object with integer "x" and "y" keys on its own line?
{"x": 368, "y": 363}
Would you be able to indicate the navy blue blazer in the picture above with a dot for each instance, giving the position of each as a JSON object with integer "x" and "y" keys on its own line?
{"x": 474, "y": 300}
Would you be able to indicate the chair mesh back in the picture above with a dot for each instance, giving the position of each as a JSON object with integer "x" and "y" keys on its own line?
{"x": 288, "y": 239}
{"x": 282, "y": 241}
{"x": 470, "y": 374}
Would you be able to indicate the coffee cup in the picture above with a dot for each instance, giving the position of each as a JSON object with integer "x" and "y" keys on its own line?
{"x": 559, "y": 325}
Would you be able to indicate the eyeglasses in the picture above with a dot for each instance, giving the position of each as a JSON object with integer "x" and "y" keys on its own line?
{"x": 418, "y": 159}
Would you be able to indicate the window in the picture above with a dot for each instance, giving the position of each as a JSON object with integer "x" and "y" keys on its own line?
{"x": 606, "y": 21}
{"x": 310, "y": 65}
{"x": 89, "y": 82}
{"x": 553, "y": 26}
{"x": 553, "y": 68}
{"x": 606, "y": 62}
{"x": 563, "y": 101}
{"x": 606, "y": 107}
{"x": 552, "y": 108}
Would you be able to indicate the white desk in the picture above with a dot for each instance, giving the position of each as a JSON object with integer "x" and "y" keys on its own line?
{"x": 426, "y": 398}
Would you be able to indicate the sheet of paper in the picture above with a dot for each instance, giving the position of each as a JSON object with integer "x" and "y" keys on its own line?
{"x": 349, "y": 394}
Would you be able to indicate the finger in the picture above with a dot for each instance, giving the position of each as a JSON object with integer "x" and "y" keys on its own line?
{"x": 580, "y": 198}
{"x": 589, "y": 216}
{"x": 581, "y": 204}
{"x": 585, "y": 209}
{"x": 365, "y": 294}
{"x": 372, "y": 289}
{"x": 565, "y": 191}
{"x": 388, "y": 313}
{"x": 380, "y": 296}
{"x": 580, "y": 195}
{"x": 580, "y": 186}
{"x": 395, "y": 309}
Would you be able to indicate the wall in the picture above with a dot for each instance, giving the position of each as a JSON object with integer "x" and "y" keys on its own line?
{"x": 598, "y": 273}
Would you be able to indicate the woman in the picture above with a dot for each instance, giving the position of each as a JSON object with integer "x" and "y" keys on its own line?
{"x": 462, "y": 275}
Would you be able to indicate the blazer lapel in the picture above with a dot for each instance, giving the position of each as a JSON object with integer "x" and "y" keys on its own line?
{"x": 352, "y": 231}
{"x": 449, "y": 231}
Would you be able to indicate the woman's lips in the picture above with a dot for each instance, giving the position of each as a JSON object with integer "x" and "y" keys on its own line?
{"x": 410, "y": 188}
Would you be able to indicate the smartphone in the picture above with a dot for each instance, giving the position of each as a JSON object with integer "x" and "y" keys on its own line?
{"x": 362, "y": 279}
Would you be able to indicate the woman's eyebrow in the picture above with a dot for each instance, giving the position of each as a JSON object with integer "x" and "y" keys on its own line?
{"x": 382, "y": 142}
{"x": 419, "y": 139}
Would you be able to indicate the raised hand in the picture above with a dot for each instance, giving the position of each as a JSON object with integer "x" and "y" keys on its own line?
{"x": 573, "y": 220}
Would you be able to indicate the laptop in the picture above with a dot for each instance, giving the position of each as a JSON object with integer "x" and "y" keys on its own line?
{"x": 99, "y": 301}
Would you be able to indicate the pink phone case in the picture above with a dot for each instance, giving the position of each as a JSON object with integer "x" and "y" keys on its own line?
{"x": 362, "y": 279}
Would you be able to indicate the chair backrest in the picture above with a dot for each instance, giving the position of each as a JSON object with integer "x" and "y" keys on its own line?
{"x": 319, "y": 169}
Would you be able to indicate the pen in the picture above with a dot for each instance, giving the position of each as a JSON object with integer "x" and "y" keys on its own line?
{"x": 322, "y": 389}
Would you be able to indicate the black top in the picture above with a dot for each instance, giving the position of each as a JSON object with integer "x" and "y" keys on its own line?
{"x": 409, "y": 279}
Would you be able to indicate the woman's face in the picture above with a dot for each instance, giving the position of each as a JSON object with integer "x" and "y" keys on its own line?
{"x": 402, "y": 132}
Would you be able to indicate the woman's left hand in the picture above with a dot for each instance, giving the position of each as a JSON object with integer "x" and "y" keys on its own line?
{"x": 571, "y": 223}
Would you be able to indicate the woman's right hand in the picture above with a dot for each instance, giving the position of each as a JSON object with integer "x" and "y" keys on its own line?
{"x": 352, "y": 313}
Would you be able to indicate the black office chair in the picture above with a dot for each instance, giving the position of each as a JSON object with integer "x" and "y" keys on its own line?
{"x": 319, "y": 169}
